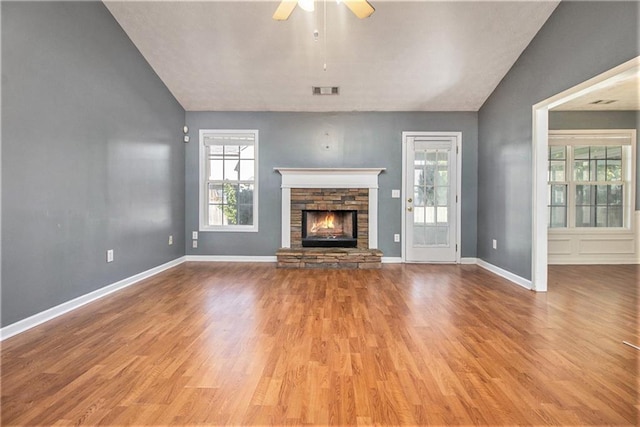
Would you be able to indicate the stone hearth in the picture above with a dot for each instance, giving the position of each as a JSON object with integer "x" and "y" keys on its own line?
{"x": 329, "y": 258}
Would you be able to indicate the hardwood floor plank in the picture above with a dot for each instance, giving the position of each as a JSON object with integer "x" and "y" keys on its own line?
{"x": 249, "y": 344}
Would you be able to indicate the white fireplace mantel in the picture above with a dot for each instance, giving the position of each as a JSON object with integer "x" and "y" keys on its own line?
{"x": 330, "y": 178}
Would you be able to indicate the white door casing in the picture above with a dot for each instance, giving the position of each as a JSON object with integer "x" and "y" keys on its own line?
{"x": 540, "y": 137}
{"x": 431, "y": 196}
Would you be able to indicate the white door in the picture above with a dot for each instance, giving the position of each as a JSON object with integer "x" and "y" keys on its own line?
{"x": 430, "y": 196}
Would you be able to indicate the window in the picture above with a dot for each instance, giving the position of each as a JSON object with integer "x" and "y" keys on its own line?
{"x": 599, "y": 186}
{"x": 557, "y": 186}
{"x": 228, "y": 185}
{"x": 590, "y": 180}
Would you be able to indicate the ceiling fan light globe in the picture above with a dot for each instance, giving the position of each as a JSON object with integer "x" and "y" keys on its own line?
{"x": 308, "y": 5}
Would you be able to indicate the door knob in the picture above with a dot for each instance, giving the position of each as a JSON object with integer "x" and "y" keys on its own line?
{"x": 409, "y": 200}
{"x": 409, "y": 208}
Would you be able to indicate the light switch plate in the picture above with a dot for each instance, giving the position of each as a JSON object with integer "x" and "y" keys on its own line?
{"x": 395, "y": 194}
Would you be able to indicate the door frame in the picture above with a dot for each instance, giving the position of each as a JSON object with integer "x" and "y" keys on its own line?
{"x": 540, "y": 145}
{"x": 458, "y": 144}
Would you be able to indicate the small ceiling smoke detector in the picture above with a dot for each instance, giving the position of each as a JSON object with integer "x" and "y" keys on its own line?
{"x": 603, "y": 101}
{"x": 325, "y": 90}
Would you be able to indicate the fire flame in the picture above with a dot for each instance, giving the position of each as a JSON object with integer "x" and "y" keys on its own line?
{"x": 326, "y": 223}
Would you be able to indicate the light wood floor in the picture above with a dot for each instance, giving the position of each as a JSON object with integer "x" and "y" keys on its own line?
{"x": 248, "y": 344}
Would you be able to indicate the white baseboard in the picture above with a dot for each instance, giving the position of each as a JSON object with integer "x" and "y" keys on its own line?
{"x": 44, "y": 316}
{"x": 230, "y": 258}
{"x": 603, "y": 259}
{"x": 505, "y": 274}
{"x": 242, "y": 258}
{"x": 637, "y": 235}
{"x": 53, "y": 312}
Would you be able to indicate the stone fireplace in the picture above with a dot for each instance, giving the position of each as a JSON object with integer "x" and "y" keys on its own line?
{"x": 351, "y": 200}
{"x": 339, "y": 208}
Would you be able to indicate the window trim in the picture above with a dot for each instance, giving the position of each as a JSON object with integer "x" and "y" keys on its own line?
{"x": 203, "y": 211}
{"x": 594, "y": 137}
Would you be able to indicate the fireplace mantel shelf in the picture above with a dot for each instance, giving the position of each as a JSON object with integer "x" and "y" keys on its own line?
{"x": 376, "y": 171}
{"x": 329, "y": 177}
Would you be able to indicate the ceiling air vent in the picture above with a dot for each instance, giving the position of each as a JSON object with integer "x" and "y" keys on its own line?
{"x": 603, "y": 101}
{"x": 325, "y": 90}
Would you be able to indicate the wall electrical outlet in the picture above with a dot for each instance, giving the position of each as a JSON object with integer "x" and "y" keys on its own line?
{"x": 110, "y": 255}
{"x": 194, "y": 244}
{"x": 495, "y": 244}
{"x": 194, "y": 235}
{"x": 170, "y": 239}
{"x": 396, "y": 238}
{"x": 395, "y": 194}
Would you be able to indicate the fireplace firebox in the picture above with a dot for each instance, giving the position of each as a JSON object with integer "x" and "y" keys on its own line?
{"x": 330, "y": 228}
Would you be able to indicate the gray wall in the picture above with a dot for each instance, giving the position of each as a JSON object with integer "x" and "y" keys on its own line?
{"x": 92, "y": 157}
{"x": 569, "y": 120}
{"x": 580, "y": 40}
{"x": 358, "y": 140}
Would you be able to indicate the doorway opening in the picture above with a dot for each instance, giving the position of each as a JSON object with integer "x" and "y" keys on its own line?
{"x": 540, "y": 155}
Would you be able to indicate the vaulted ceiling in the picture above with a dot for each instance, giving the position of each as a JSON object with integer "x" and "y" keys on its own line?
{"x": 408, "y": 56}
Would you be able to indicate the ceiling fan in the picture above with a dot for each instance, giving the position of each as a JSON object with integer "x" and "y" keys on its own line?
{"x": 361, "y": 8}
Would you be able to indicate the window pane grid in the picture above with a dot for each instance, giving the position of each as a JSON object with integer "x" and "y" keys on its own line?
{"x": 599, "y": 205}
{"x": 431, "y": 197}
{"x": 594, "y": 188}
{"x": 557, "y": 163}
{"x": 597, "y": 163}
{"x": 557, "y": 205}
{"x": 557, "y": 188}
{"x": 230, "y": 164}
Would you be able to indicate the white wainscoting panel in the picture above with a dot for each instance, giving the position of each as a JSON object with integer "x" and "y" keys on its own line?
{"x": 612, "y": 245}
{"x": 560, "y": 245}
{"x": 595, "y": 246}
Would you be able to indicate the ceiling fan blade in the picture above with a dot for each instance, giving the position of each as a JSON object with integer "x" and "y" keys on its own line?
{"x": 361, "y": 8}
{"x": 284, "y": 10}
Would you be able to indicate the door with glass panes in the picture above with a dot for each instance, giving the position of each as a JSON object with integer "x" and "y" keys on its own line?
{"x": 430, "y": 199}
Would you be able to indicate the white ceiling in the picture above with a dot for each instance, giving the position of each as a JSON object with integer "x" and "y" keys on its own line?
{"x": 408, "y": 56}
{"x": 623, "y": 90}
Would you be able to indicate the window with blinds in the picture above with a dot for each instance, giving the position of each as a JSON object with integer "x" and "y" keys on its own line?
{"x": 229, "y": 188}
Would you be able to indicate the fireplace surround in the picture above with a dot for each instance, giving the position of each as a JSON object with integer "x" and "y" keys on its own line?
{"x": 330, "y": 189}
{"x": 298, "y": 183}
{"x": 329, "y": 199}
